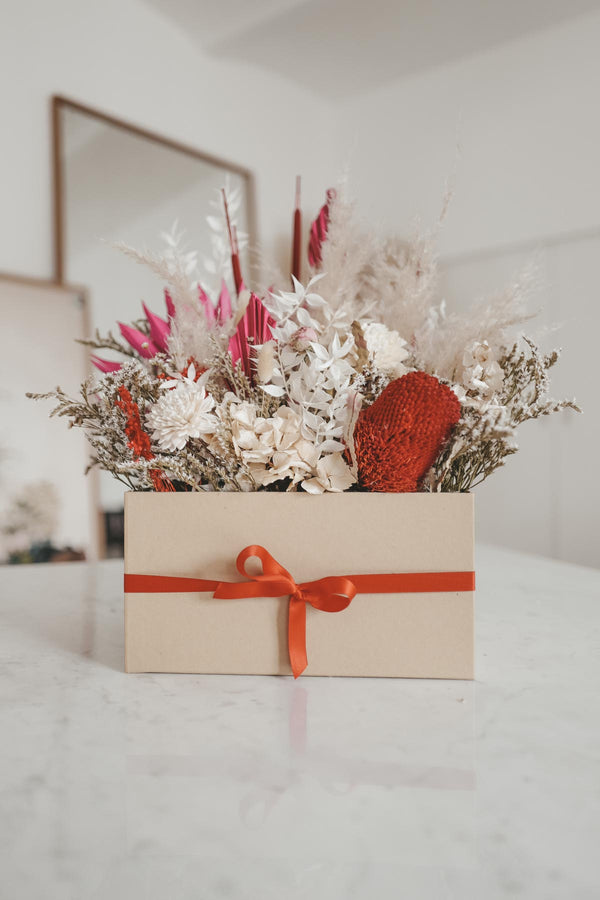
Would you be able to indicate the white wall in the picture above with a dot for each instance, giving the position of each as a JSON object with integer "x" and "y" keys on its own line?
{"x": 528, "y": 175}
{"x": 122, "y": 57}
{"x": 525, "y": 115}
{"x": 546, "y": 499}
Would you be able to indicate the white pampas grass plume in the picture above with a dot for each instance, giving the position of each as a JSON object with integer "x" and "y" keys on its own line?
{"x": 345, "y": 257}
{"x": 175, "y": 266}
{"x": 191, "y": 334}
{"x": 441, "y": 341}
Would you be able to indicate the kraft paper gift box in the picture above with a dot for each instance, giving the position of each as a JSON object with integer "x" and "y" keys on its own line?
{"x": 425, "y": 634}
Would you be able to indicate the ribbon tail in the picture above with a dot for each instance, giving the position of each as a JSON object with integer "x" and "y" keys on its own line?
{"x": 297, "y": 636}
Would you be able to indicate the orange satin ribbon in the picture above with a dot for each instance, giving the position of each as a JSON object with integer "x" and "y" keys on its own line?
{"x": 331, "y": 594}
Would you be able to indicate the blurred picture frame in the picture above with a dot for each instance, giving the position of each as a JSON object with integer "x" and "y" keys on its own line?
{"x": 49, "y": 508}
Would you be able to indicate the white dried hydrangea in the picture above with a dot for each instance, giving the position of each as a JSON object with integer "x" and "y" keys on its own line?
{"x": 272, "y": 448}
{"x": 332, "y": 474}
{"x": 481, "y": 371}
{"x": 386, "y": 348}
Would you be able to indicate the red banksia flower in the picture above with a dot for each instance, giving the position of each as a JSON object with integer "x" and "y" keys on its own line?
{"x": 398, "y": 438}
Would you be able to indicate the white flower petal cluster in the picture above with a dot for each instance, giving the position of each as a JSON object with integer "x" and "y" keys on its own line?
{"x": 332, "y": 475}
{"x": 272, "y": 448}
{"x": 181, "y": 413}
{"x": 481, "y": 371}
{"x": 386, "y": 348}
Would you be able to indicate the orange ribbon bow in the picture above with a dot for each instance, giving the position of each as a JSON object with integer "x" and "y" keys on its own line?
{"x": 331, "y": 594}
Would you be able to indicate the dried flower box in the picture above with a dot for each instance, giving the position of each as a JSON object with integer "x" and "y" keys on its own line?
{"x": 331, "y": 425}
{"x": 424, "y": 634}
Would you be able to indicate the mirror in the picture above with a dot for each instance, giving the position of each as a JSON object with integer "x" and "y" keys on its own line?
{"x": 115, "y": 182}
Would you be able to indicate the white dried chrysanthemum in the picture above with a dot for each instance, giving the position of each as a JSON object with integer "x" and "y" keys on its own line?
{"x": 386, "y": 348}
{"x": 481, "y": 371}
{"x": 181, "y": 413}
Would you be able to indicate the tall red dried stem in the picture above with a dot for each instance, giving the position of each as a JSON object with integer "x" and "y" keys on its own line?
{"x": 235, "y": 256}
{"x": 297, "y": 234}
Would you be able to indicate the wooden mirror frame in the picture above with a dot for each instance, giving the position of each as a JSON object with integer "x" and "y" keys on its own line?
{"x": 59, "y": 104}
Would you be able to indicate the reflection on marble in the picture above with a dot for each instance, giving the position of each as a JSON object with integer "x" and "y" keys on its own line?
{"x": 177, "y": 786}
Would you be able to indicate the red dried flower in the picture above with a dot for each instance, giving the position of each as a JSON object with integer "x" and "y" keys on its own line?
{"x": 160, "y": 482}
{"x": 139, "y": 441}
{"x": 398, "y": 438}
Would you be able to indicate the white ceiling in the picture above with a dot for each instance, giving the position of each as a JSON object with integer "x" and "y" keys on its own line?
{"x": 339, "y": 48}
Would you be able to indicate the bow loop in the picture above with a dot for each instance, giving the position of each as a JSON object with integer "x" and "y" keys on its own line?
{"x": 273, "y": 581}
{"x": 270, "y": 567}
{"x": 331, "y": 594}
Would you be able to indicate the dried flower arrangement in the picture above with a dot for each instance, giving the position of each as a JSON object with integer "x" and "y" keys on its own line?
{"x": 356, "y": 380}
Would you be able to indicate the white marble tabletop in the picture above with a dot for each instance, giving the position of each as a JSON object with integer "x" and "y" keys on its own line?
{"x": 169, "y": 787}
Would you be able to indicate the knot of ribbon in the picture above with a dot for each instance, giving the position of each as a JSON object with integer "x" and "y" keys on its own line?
{"x": 331, "y": 594}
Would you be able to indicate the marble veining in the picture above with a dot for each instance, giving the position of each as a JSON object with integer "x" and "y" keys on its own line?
{"x": 179, "y": 786}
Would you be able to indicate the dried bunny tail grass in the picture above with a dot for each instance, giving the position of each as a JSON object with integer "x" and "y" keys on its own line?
{"x": 441, "y": 341}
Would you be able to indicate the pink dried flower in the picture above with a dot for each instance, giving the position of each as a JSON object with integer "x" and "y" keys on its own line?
{"x": 301, "y": 339}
